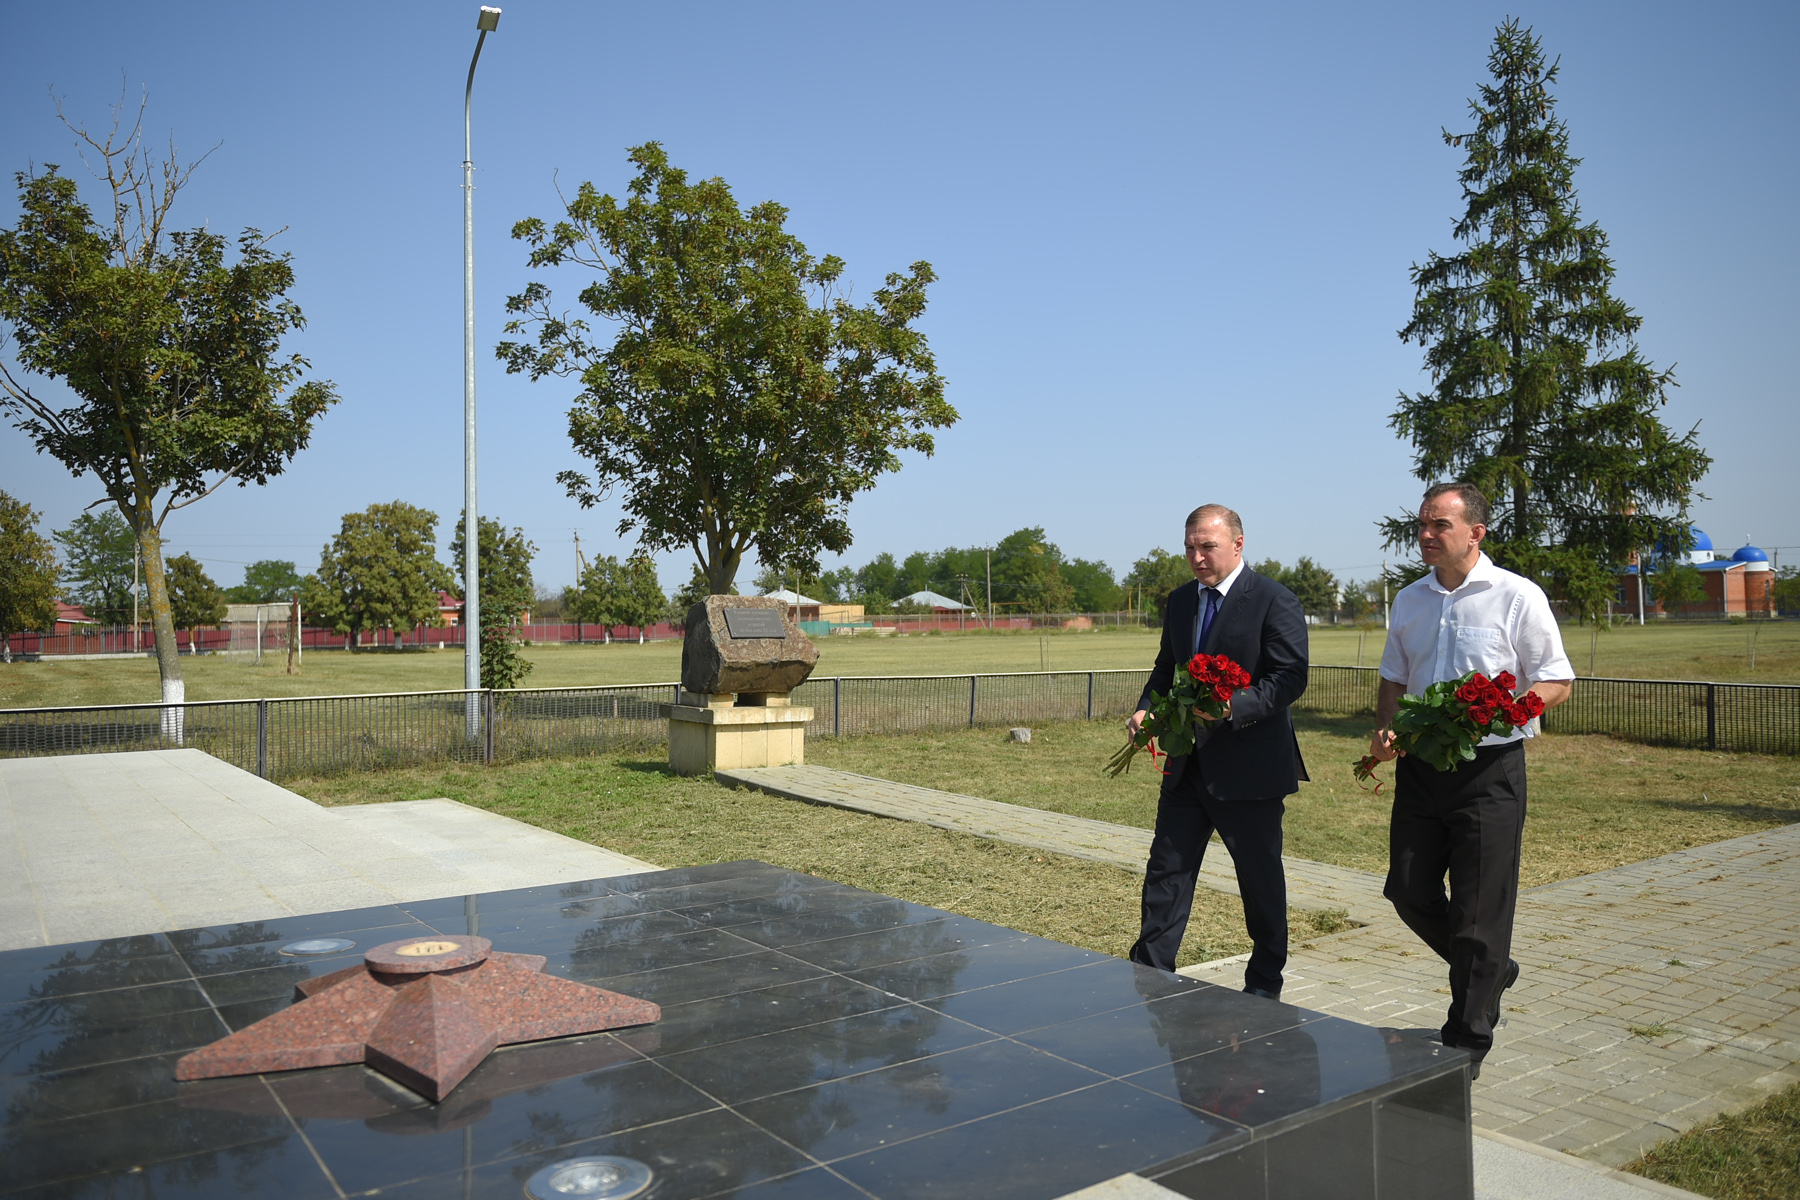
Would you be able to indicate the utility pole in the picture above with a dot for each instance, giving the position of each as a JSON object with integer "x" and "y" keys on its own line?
{"x": 580, "y": 563}
{"x": 1384, "y": 596}
{"x": 487, "y": 20}
{"x": 990, "y": 586}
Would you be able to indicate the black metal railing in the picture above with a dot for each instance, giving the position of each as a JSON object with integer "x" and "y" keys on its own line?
{"x": 314, "y": 735}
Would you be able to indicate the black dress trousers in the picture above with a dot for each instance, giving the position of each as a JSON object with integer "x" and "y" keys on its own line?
{"x": 1466, "y": 824}
{"x": 1186, "y": 817}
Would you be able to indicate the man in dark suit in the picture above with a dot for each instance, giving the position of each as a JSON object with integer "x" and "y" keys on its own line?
{"x": 1243, "y": 766}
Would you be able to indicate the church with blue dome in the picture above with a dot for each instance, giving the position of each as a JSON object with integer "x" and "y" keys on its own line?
{"x": 1741, "y": 583}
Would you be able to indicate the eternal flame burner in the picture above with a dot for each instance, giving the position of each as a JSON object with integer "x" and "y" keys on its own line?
{"x": 423, "y": 1010}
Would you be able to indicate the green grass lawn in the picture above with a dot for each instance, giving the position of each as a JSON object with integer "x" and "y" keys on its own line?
{"x": 1595, "y": 802}
{"x": 1715, "y": 652}
{"x": 640, "y": 808}
{"x": 1748, "y": 1155}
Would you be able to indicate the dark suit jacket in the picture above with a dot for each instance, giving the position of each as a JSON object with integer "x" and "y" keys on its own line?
{"x": 1260, "y": 626}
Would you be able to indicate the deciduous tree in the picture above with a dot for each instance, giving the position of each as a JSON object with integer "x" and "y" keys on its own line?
{"x": 99, "y": 549}
{"x": 266, "y": 581}
{"x": 1539, "y": 394}
{"x": 739, "y": 400}
{"x": 28, "y": 574}
{"x": 506, "y": 598}
{"x": 380, "y": 570}
{"x": 1092, "y": 585}
{"x": 194, "y": 598}
{"x": 1677, "y": 586}
{"x": 1154, "y": 576}
{"x": 169, "y": 351}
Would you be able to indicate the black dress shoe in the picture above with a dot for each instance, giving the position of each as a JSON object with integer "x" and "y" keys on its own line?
{"x": 1493, "y": 1009}
{"x": 1265, "y": 993}
{"x": 1474, "y": 1071}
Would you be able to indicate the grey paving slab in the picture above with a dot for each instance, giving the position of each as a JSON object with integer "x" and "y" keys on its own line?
{"x": 110, "y": 845}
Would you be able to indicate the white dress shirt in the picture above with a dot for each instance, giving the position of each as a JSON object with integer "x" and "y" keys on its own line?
{"x": 1222, "y": 587}
{"x": 1495, "y": 621}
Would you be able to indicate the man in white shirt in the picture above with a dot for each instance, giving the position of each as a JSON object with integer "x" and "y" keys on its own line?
{"x": 1466, "y": 614}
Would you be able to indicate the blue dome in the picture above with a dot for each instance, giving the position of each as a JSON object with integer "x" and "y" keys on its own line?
{"x": 1749, "y": 554}
{"x": 1701, "y": 541}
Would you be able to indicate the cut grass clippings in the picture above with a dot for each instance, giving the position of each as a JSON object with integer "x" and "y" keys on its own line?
{"x": 1749, "y": 1155}
{"x": 1595, "y": 802}
{"x": 642, "y": 809}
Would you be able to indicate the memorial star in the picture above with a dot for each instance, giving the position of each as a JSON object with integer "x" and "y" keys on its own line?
{"x": 424, "y": 1011}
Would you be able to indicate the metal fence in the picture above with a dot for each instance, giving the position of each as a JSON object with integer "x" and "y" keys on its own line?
{"x": 319, "y": 735}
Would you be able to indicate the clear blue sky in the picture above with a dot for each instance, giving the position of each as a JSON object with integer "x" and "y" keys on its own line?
{"x": 1173, "y": 240}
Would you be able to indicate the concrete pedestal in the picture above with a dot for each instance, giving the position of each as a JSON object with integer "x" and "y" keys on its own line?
{"x": 708, "y": 733}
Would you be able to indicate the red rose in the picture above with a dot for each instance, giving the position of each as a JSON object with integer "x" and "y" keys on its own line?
{"x": 1222, "y": 694}
{"x": 1195, "y": 667}
{"x": 1505, "y": 681}
{"x": 1480, "y": 680}
{"x": 1241, "y": 678}
{"x": 1515, "y": 714}
{"x": 1481, "y": 715}
{"x": 1532, "y": 703}
{"x": 1468, "y": 693}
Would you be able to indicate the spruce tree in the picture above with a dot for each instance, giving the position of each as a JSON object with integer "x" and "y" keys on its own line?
{"x": 1539, "y": 395}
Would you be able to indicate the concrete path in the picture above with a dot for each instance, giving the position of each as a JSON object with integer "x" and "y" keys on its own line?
{"x": 1310, "y": 884}
{"x": 1652, "y": 997}
{"x": 110, "y": 845}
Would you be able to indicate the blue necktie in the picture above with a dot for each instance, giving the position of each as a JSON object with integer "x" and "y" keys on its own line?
{"x": 1212, "y": 610}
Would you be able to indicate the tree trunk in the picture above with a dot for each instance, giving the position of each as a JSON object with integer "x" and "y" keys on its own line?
{"x": 162, "y": 623}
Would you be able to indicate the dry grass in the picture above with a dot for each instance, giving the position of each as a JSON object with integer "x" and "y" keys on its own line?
{"x": 639, "y": 808}
{"x": 1749, "y": 1155}
{"x": 1596, "y": 802}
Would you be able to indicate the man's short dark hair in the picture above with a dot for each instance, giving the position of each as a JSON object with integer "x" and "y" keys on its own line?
{"x": 1207, "y": 512}
{"x": 1475, "y": 505}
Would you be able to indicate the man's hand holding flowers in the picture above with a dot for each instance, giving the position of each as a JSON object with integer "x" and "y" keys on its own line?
{"x": 1444, "y": 726}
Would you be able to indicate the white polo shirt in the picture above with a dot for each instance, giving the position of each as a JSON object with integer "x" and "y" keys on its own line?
{"x": 1495, "y": 621}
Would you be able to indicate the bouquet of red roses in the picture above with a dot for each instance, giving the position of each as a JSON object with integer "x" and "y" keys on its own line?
{"x": 1444, "y": 726}
{"x": 1205, "y": 687}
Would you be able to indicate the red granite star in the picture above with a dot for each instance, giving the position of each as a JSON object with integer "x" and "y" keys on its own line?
{"x": 424, "y": 1011}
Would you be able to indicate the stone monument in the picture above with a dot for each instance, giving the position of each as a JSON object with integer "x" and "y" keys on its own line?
{"x": 740, "y": 659}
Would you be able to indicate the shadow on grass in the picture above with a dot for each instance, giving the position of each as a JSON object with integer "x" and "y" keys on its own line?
{"x": 1745, "y": 812}
{"x": 646, "y": 767}
{"x": 1347, "y": 725}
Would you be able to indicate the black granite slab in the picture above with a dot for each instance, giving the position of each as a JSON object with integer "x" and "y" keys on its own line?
{"x": 816, "y": 1041}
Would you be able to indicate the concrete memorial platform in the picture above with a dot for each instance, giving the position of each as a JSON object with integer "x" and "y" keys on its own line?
{"x": 813, "y": 1040}
{"x": 99, "y": 846}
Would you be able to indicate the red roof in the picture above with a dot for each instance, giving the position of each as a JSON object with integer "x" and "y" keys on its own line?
{"x": 71, "y": 614}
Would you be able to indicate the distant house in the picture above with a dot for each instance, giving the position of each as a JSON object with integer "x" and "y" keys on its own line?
{"x": 800, "y": 608}
{"x": 69, "y": 617}
{"x": 935, "y": 602}
{"x": 1740, "y": 585}
{"x": 450, "y": 611}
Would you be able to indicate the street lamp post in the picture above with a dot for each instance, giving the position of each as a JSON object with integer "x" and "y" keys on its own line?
{"x": 486, "y": 21}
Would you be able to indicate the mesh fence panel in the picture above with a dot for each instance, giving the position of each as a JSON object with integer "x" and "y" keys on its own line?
{"x": 330, "y": 734}
{"x": 566, "y": 722}
{"x": 327, "y": 735}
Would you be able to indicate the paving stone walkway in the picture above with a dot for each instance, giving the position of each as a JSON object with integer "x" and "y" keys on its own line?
{"x": 1652, "y": 997}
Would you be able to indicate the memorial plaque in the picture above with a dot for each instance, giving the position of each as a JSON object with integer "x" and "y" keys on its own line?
{"x": 755, "y": 623}
{"x": 740, "y": 644}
